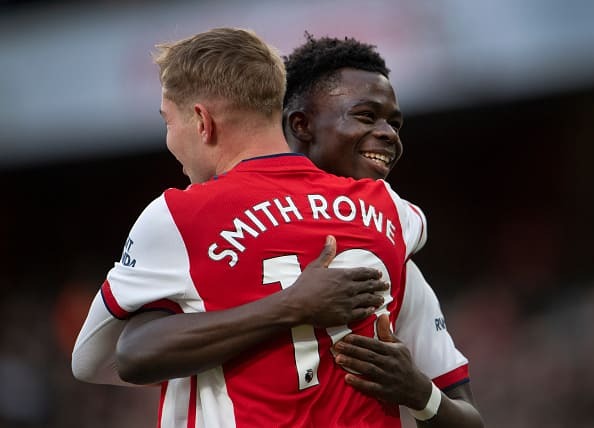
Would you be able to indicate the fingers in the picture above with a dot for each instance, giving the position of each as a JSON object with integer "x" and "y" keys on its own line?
{"x": 365, "y": 386}
{"x": 360, "y": 313}
{"x": 328, "y": 252}
{"x": 363, "y": 274}
{"x": 367, "y": 365}
{"x": 384, "y": 332}
{"x": 367, "y": 300}
{"x": 369, "y": 287}
{"x": 359, "y": 346}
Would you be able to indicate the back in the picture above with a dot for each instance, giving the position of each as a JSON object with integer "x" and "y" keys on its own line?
{"x": 251, "y": 232}
{"x": 243, "y": 236}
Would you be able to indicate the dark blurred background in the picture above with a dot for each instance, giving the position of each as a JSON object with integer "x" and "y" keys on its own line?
{"x": 498, "y": 99}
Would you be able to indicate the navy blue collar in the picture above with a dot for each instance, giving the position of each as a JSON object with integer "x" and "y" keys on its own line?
{"x": 276, "y": 155}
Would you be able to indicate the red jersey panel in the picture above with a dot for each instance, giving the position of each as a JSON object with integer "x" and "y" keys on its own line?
{"x": 250, "y": 233}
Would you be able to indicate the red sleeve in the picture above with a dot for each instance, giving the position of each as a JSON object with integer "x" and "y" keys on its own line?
{"x": 453, "y": 378}
{"x": 118, "y": 312}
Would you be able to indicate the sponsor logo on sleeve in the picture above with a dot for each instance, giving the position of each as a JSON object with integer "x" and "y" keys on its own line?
{"x": 440, "y": 324}
{"x": 126, "y": 259}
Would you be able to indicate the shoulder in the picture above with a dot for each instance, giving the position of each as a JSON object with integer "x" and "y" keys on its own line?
{"x": 154, "y": 215}
{"x": 412, "y": 219}
{"x": 419, "y": 298}
{"x": 154, "y": 234}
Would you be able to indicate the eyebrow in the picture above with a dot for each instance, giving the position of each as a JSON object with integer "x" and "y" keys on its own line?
{"x": 395, "y": 114}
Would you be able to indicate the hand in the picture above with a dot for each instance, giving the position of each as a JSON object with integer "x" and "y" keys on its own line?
{"x": 385, "y": 367}
{"x": 326, "y": 297}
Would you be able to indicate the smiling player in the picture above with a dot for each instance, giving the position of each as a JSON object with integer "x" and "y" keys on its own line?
{"x": 343, "y": 113}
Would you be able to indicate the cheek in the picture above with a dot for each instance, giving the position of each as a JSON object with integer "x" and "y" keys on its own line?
{"x": 399, "y": 148}
{"x": 169, "y": 140}
{"x": 347, "y": 134}
{"x": 174, "y": 144}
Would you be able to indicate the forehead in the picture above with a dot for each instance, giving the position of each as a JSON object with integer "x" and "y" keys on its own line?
{"x": 166, "y": 103}
{"x": 362, "y": 85}
{"x": 170, "y": 110}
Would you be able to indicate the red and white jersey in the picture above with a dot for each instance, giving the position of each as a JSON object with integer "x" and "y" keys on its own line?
{"x": 420, "y": 325}
{"x": 249, "y": 233}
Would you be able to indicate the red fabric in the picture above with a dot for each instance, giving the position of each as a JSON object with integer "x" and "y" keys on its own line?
{"x": 120, "y": 313}
{"x": 161, "y": 403}
{"x": 192, "y": 404}
{"x": 263, "y": 384}
{"x": 111, "y": 303}
{"x": 452, "y": 378}
{"x": 164, "y": 305}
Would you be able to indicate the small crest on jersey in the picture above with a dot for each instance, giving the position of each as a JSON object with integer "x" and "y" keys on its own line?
{"x": 309, "y": 375}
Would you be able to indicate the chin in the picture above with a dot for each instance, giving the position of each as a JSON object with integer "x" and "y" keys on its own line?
{"x": 375, "y": 175}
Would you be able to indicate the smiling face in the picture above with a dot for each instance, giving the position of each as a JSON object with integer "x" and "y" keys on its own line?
{"x": 354, "y": 126}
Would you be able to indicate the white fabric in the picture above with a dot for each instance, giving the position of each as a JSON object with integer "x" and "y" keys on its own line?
{"x": 159, "y": 269}
{"x": 161, "y": 266}
{"x": 431, "y": 407}
{"x": 175, "y": 403}
{"x": 432, "y": 349}
{"x": 155, "y": 266}
{"x": 93, "y": 357}
{"x": 412, "y": 221}
{"x": 217, "y": 409}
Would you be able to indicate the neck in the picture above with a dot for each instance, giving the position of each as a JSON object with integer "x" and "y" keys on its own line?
{"x": 245, "y": 143}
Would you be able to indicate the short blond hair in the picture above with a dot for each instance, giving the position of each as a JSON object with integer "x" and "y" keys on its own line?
{"x": 231, "y": 64}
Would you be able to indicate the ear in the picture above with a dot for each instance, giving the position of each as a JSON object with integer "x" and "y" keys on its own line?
{"x": 298, "y": 126}
{"x": 204, "y": 124}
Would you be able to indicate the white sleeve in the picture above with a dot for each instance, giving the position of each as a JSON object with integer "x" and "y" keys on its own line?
{"x": 420, "y": 325}
{"x": 412, "y": 221}
{"x": 154, "y": 266}
{"x": 93, "y": 357}
{"x": 154, "y": 271}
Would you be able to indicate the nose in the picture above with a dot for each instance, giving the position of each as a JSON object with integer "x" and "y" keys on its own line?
{"x": 384, "y": 131}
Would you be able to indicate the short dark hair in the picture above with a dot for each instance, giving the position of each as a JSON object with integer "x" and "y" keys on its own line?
{"x": 315, "y": 64}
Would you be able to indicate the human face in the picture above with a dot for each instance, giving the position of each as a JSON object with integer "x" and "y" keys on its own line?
{"x": 355, "y": 126}
{"x": 184, "y": 142}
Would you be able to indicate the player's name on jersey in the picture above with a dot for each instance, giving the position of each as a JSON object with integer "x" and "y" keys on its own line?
{"x": 260, "y": 217}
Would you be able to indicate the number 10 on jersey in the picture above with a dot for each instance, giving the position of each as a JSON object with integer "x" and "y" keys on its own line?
{"x": 285, "y": 270}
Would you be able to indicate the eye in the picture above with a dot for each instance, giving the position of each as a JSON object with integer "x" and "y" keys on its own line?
{"x": 366, "y": 116}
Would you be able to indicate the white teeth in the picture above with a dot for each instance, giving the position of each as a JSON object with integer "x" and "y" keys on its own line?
{"x": 378, "y": 157}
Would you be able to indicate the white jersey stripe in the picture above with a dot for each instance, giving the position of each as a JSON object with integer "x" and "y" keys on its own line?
{"x": 412, "y": 222}
{"x": 175, "y": 405}
{"x": 192, "y": 403}
{"x": 216, "y": 404}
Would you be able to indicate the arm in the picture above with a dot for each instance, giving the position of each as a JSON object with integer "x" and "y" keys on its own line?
{"x": 390, "y": 375}
{"x": 152, "y": 268}
{"x": 154, "y": 347}
{"x": 93, "y": 356}
{"x": 399, "y": 372}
